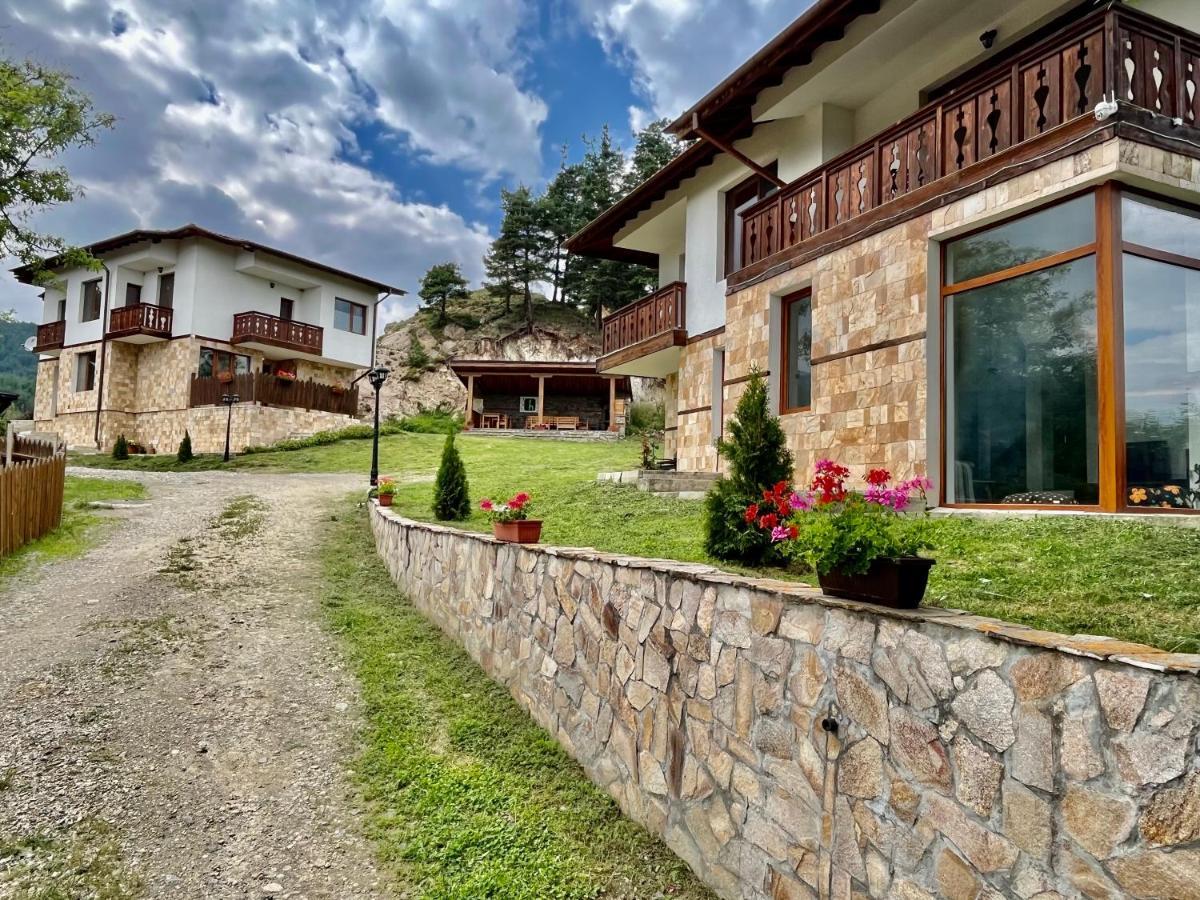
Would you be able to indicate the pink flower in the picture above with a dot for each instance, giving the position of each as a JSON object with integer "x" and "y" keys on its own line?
{"x": 486, "y": 505}
{"x": 801, "y": 502}
{"x": 522, "y": 498}
{"x": 780, "y": 533}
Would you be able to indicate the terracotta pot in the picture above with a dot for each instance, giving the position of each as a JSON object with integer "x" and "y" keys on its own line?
{"x": 385, "y": 499}
{"x": 526, "y": 531}
{"x": 899, "y": 583}
{"x": 225, "y": 377}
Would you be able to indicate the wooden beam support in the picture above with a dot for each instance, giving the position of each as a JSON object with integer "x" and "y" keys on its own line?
{"x": 612, "y": 404}
{"x": 470, "y": 401}
{"x": 541, "y": 395}
{"x": 741, "y": 157}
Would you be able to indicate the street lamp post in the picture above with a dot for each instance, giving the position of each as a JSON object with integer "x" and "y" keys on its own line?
{"x": 228, "y": 400}
{"x": 377, "y": 376}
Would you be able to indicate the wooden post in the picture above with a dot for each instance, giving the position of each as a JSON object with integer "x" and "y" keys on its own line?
{"x": 612, "y": 404}
{"x": 470, "y": 401}
{"x": 541, "y": 399}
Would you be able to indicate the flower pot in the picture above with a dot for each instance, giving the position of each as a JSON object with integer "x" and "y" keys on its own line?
{"x": 898, "y": 583}
{"x": 385, "y": 499}
{"x": 225, "y": 377}
{"x": 524, "y": 531}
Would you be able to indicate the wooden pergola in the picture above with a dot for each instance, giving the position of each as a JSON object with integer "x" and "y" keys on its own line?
{"x": 554, "y": 380}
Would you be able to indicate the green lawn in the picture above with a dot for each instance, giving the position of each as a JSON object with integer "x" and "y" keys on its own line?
{"x": 1131, "y": 580}
{"x": 77, "y": 531}
{"x": 465, "y": 796}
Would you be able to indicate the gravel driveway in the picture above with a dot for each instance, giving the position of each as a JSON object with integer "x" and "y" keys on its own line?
{"x": 174, "y": 720}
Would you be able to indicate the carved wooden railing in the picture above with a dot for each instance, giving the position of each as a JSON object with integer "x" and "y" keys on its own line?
{"x": 1143, "y": 60}
{"x": 664, "y": 310}
{"x": 256, "y": 387}
{"x": 140, "y": 318}
{"x": 268, "y": 329}
{"x": 51, "y": 336}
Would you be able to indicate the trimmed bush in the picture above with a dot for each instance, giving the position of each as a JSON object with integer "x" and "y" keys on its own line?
{"x": 645, "y": 417}
{"x": 121, "y": 448}
{"x": 185, "y": 453}
{"x": 451, "y": 496}
{"x": 758, "y": 459}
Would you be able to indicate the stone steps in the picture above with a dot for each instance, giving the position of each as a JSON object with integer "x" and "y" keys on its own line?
{"x": 681, "y": 485}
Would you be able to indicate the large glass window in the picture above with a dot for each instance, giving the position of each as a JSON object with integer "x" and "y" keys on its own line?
{"x": 1021, "y": 363}
{"x": 797, "y": 352}
{"x": 89, "y": 307}
{"x": 1161, "y": 298}
{"x": 218, "y": 362}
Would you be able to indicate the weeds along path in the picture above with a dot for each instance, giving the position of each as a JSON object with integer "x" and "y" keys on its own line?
{"x": 174, "y": 721}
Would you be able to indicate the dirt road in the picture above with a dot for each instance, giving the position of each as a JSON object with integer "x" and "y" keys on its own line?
{"x": 174, "y": 720}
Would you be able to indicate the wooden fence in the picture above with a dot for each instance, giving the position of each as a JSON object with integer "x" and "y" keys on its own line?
{"x": 31, "y": 499}
{"x": 272, "y": 391}
{"x": 27, "y": 448}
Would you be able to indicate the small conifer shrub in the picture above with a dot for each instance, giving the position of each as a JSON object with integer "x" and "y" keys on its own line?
{"x": 451, "y": 496}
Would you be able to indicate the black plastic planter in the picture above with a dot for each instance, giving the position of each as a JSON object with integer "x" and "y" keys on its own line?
{"x": 898, "y": 583}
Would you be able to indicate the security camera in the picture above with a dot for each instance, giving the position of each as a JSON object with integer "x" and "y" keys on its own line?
{"x": 988, "y": 38}
{"x": 1106, "y": 108}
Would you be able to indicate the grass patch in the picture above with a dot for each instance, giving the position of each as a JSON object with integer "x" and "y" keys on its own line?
{"x": 466, "y": 796}
{"x": 242, "y": 517}
{"x": 84, "y": 861}
{"x": 77, "y": 532}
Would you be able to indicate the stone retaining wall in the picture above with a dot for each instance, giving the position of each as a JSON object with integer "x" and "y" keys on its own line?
{"x": 971, "y": 758}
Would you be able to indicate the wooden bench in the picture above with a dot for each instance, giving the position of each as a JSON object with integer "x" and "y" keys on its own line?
{"x": 558, "y": 423}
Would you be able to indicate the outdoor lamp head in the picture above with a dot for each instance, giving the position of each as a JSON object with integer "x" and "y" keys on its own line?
{"x": 378, "y": 376}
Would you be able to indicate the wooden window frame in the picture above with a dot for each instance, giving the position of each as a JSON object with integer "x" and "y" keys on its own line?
{"x": 753, "y": 188}
{"x": 1109, "y": 249}
{"x": 164, "y": 279}
{"x": 528, "y": 412}
{"x": 223, "y": 361}
{"x": 83, "y": 293}
{"x": 355, "y": 310}
{"x": 79, "y": 367}
{"x": 785, "y": 341}
{"x": 287, "y": 309}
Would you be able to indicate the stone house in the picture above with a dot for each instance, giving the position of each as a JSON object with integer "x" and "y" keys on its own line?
{"x": 959, "y": 238}
{"x": 174, "y": 322}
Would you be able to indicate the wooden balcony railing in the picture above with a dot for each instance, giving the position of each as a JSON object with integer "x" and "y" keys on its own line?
{"x": 262, "y": 328}
{"x": 1143, "y": 60}
{"x": 662, "y": 311}
{"x": 51, "y": 336}
{"x": 256, "y": 387}
{"x": 140, "y": 318}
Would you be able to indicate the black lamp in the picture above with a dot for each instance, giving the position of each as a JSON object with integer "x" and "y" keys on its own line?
{"x": 228, "y": 400}
{"x": 377, "y": 376}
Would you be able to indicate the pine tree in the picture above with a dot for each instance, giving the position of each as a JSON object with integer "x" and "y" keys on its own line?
{"x": 185, "y": 449}
{"x": 121, "y": 448}
{"x": 563, "y": 216}
{"x": 451, "y": 496}
{"x": 524, "y": 243}
{"x": 499, "y": 266}
{"x": 758, "y": 459}
{"x": 443, "y": 281}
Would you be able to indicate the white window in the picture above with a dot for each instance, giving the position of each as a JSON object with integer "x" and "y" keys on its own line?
{"x": 85, "y": 371}
{"x": 529, "y": 405}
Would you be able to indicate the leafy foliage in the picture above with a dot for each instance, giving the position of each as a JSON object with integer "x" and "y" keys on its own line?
{"x": 440, "y": 283}
{"x": 451, "y": 495}
{"x": 417, "y": 358}
{"x": 758, "y": 460}
{"x": 185, "y": 454}
{"x": 120, "y": 448}
{"x": 42, "y": 115}
{"x": 18, "y": 367}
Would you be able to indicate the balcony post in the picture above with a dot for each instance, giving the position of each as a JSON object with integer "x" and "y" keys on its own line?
{"x": 541, "y": 397}
{"x": 470, "y": 403}
{"x": 612, "y": 404}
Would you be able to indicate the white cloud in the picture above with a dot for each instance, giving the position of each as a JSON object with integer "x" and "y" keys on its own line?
{"x": 677, "y": 50}
{"x": 242, "y": 117}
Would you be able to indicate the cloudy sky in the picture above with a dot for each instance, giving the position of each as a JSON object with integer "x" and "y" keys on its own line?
{"x": 371, "y": 134}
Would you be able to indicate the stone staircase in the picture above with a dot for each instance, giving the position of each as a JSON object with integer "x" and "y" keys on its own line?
{"x": 681, "y": 485}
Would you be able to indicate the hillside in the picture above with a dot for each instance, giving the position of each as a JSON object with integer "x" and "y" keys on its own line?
{"x": 417, "y": 349}
{"x": 18, "y": 367}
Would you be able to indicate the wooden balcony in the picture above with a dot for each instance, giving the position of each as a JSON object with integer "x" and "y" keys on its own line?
{"x": 1023, "y": 97}
{"x": 140, "y": 323}
{"x": 50, "y": 337}
{"x": 271, "y": 334}
{"x": 645, "y": 337}
{"x": 268, "y": 390}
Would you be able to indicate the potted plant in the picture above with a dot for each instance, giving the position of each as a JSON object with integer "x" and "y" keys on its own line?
{"x": 338, "y": 389}
{"x": 225, "y": 376}
{"x": 284, "y": 374}
{"x": 385, "y": 491}
{"x": 510, "y": 519}
{"x": 860, "y": 545}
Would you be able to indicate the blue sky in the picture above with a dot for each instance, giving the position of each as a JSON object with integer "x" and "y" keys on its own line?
{"x": 371, "y": 134}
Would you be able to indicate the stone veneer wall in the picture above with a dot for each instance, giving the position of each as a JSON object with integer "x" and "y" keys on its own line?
{"x": 872, "y": 408}
{"x": 146, "y": 394}
{"x": 973, "y": 759}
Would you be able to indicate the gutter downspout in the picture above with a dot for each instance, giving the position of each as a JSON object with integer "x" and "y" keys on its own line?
{"x": 103, "y": 347}
{"x": 374, "y": 329}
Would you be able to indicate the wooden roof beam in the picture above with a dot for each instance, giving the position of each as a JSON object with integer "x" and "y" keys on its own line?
{"x": 727, "y": 147}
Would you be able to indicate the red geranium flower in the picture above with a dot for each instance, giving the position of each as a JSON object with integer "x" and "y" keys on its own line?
{"x": 878, "y": 477}
{"x": 769, "y": 521}
{"x": 751, "y": 512}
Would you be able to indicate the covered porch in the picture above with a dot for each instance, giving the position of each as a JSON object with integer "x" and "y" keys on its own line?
{"x": 513, "y": 395}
